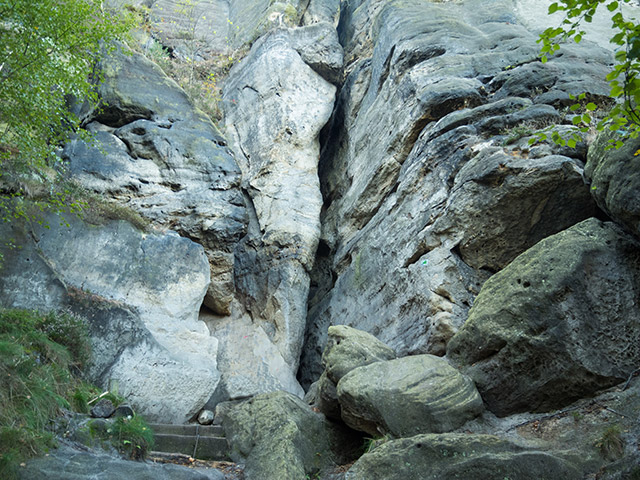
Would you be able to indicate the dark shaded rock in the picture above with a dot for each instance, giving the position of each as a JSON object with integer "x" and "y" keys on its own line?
{"x": 277, "y": 436}
{"x": 102, "y": 409}
{"x": 615, "y": 179}
{"x": 558, "y": 323}
{"x": 326, "y": 397}
{"x": 124, "y": 410}
{"x": 319, "y": 47}
{"x": 407, "y": 396}
{"x": 456, "y": 456}
{"x": 68, "y": 463}
{"x": 503, "y": 205}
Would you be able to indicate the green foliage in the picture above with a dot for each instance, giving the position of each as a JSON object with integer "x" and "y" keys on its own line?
{"x": 371, "y": 444}
{"x": 38, "y": 352}
{"x": 48, "y": 50}
{"x": 624, "y": 117}
{"x": 132, "y": 436}
{"x": 516, "y": 133}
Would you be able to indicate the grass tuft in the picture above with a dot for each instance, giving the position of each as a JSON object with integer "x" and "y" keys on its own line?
{"x": 38, "y": 353}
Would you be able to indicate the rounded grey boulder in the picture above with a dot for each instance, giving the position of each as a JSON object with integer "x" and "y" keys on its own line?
{"x": 407, "y": 396}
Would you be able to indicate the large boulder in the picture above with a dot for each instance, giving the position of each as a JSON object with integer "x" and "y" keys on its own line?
{"x": 141, "y": 293}
{"x": 277, "y": 436}
{"x": 456, "y": 456}
{"x": 614, "y": 175}
{"x": 558, "y": 323}
{"x": 407, "y": 396}
{"x": 347, "y": 348}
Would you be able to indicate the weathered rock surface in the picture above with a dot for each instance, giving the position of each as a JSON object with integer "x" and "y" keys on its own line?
{"x": 278, "y": 159}
{"x": 558, "y": 323}
{"x": 141, "y": 294}
{"x": 427, "y": 189}
{"x": 319, "y": 47}
{"x": 250, "y": 20}
{"x": 453, "y": 456}
{"x": 68, "y": 463}
{"x": 192, "y": 29}
{"x": 347, "y": 348}
{"x": 167, "y": 161}
{"x": 249, "y": 360}
{"x": 277, "y": 436}
{"x": 407, "y": 396}
{"x": 615, "y": 180}
{"x": 322, "y": 11}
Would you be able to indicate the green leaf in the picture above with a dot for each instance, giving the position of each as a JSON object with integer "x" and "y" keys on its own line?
{"x": 612, "y": 6}
{"x": 591, "y": 106}
{"x": 571, "y": 143}
{"x": 553, "y": 8}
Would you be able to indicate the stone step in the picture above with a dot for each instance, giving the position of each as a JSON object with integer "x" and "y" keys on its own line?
{"x": 208, "y": 448}
{"x": 191, "y": 429}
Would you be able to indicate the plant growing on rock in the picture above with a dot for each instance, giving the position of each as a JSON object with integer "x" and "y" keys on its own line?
{"x": 611, "y": 444}
{"x": 132, "y": 436}
{"x": 624, "y": 116}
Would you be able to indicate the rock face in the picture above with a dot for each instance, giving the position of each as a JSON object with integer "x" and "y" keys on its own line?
{"x": 141, "y": 294}
{"x": 167, "y": 161}
{"x": 277, "y": 436}
{"x": 615, "y": 180}
{"x": 407, "y": 396}
{"x": 428, "y": 187}
{"x": 278, "y": 159}
{"x": 558, "y": 323}
{"x": 452, "y": 456}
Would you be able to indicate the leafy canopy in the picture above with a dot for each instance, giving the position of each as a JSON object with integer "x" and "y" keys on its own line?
{"x": 47, "y": 52}
{"x": 624, "y": 117}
